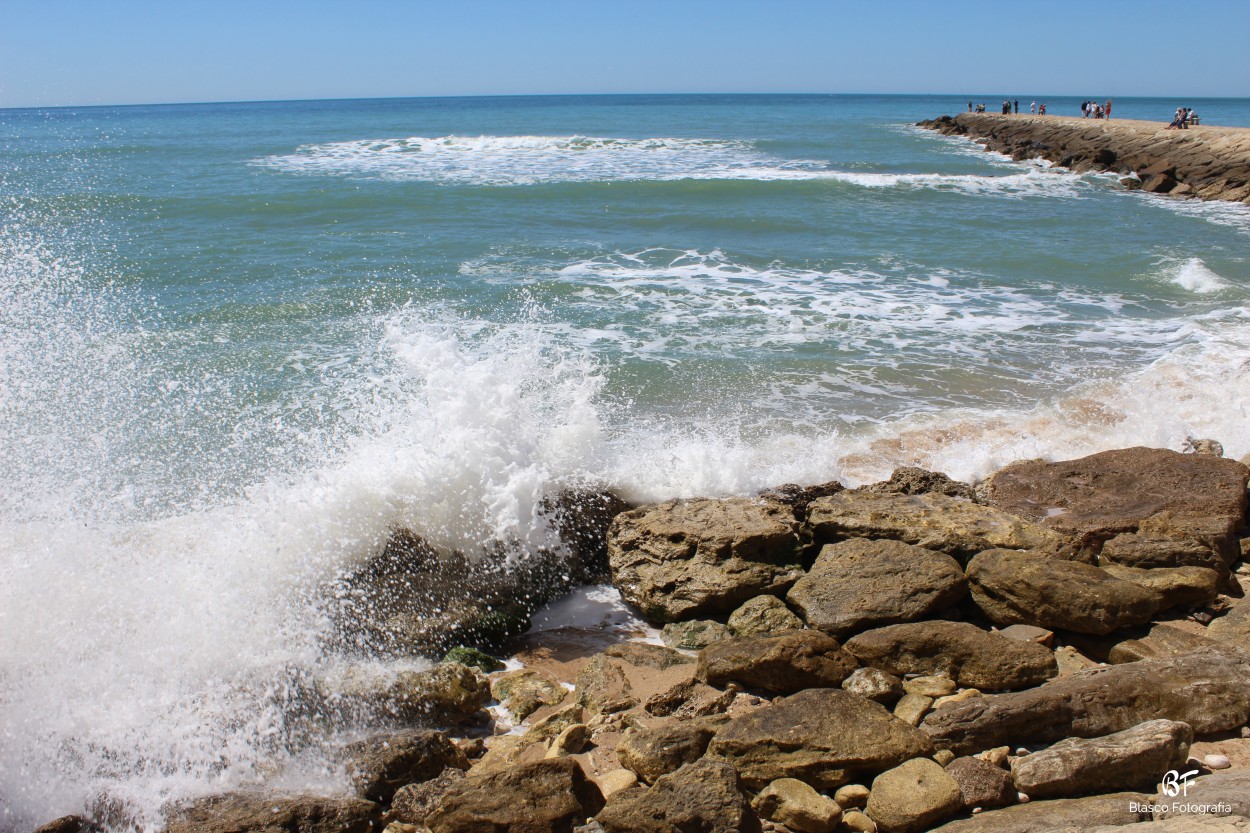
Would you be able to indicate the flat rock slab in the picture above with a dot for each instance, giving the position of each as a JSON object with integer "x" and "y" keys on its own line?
{"x": 686, "y": 558}
{"x": 782, "y": 664}
{"x": 935, "y": 521}
{"x": 823, "y": 737}
{"x": 1142, "y": 494}
{"x": 1012, "y": 587}
{"x": 243, "y": 812}
{"x": 863, "y": 583}
{"x": 968, "y": 655}
{"x": 552, "y": 795}
{"x": 703, "y": 797}
{"x": 1209, "y": 689}
{"x": 1179, "y": 824}
{"x": 1133, "y": 759}
{"x": 1045, "y": 816}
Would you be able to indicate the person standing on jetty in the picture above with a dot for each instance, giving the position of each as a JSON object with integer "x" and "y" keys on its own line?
{"x": 1107, "y": 110}
{"x": 1016, "y": 104}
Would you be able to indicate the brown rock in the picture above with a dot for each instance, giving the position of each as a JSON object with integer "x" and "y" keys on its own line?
{"x": 703, "y": 797}
{"x": 784, "y": 664}
{"x": 603, "y": 687}
{"x": 909, "y": 480}
{"x": 651, "y": 753}
{"x": 934, "y": 521}
{"x": 972, "y": 657}
{"x": 380, "y": 765}
{"x": 981, "y": 783}
{"x": 1175, "y": 586}
{"x": 763, "y": 616}
{"x": 1022, "y": 588}
{"x": 1046, "y": 816}
{"x": 414, "y": 802}
{"x": 1230, "y": 788}
{"x": 550, "y": 795}
{"x": 526, "y": 691}
{"x": 70, "y": 824}
{"x": 689, "y": 698}
{"x": 790, "y": 802}
{"x": 693, "y": 635}
{"x": 824, "y": 737}
{"x": 912, "y": 797}
{"x": 246, "y": 812}
{"x": 1135, "y": 758}
{"x": 874, "y": 684}
{"x": 643, "y": 655}
{"x": 447, "y": 693}
{"x": 862, "y": 583}
{"x": 1209, "y": 689}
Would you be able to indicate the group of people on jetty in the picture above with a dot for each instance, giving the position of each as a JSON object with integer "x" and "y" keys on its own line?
{"x": 1094, "y": 110}
{"x": 1185, "y": 116}
{"x": 1012, "y": 106}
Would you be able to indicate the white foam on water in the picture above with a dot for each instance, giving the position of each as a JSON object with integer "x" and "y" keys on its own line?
{"x": 1228, "y": 214}
{"x": 1194, "y": 275}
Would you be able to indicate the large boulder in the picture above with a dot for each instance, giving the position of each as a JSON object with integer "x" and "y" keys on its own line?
{"x": 935, "y": 521}
{"x": 652, "y": 752}
{"x": 1135, "y": 758}
{"x": 380, "y": 765}
{"x": 1209, "y": 689}
{"x": 784, "y": 664}
{"x": 1013, "y": 587}
{"x": 972, "y": 657}
{"x": 549, "y": 796}
{"x": 1136, "y": 504}
{"x": 685, "y": 558}
{"x": 248, "y": 812}
{"x": 864, "y": 583}
{"x": 702, "y": 797}
{"x": 824, "y": 737}
{"x": 912, "y": 797}
{"x": 1058, "y": 814}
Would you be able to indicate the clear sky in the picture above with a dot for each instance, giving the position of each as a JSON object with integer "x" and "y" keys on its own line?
{"x": 57, "y": 52}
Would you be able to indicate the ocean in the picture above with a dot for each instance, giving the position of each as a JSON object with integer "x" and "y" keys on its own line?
{"x": 241, "y": 342}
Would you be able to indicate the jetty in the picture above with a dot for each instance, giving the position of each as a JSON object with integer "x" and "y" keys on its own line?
{"x": 1204, "y": 162}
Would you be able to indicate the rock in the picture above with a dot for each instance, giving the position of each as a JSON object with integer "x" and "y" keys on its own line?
{"x": 549, "y": 795}
{"x": 824, "y": 737}
{"x": 1179, "y": 824}
{"x": 981, "y": 783}
{"x": 1196, "y": 446}
{"x": 874, "y": 684}
{"x": 413, "y": 802}
{"x": 934, "y": 521}
{"x": 1021, "y": 588}
{"x": 1230, "y": 788}
{"x": 652, "y": 753}
{"x": 912, "y": 708}
{"x": 944, "y": 757}
{"x": 1214, "y": 762}
{"x": 1071, "y": 660}
{"x": 909, "y": 480}
{"x": 784, "y": 664}
{"x": 686, "y": 558}
{"x": 380, "y": 765}
{"x": 569, "y": 742}
{"x": 526, "y": 691}
{"x": 930, "y": 686}
{"x": 70, "y": 824}
{"x": 1175, "y": 586}
{"x": 1139, "y": 494}
{"x": 581, "y": 517}
{"x": 447, "y": 693}
{"x": 796, "y": 805}
{"x": 615, "y": 781}
{"x": 240, "y": 812}
{"x": 1158, "y": 184}
{"x": 799, "y": 497}
{"x": 644, "y": 655}
{"x": 1233, "y": 628}
{"x": 689, "y": 698}
{"x": 1132, "y": 759}
{"x": 1046, "y": 816}
{"x": 1028, "y": 633}
{"x": 553, "y": 724}
{"x": 763, "y": 616}
{"x": 1161, "y": 640}
{"x": 693, "y": 635}
{"x": 603, "y": 687}
{"x": 858, "y": 822}
{"x": 703, "y": 797}
{"x": 851, "y": 795}
{"x": 1209, "y": 689}
{"x": 972, "y": 657}
{"x": 861, "y": 583}
{"x": 912, "y": 797}
{"x": 473, "y": 658}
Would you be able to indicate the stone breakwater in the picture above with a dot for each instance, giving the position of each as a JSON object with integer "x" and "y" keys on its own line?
{"x": 1064, "y": 647}
{"x": 1204, "y": 162}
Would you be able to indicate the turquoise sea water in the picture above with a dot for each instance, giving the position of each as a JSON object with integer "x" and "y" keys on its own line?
{"x": 238, "y": 342}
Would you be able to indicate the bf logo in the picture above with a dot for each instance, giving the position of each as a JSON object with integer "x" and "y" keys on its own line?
{"x": 1176, "y": 783}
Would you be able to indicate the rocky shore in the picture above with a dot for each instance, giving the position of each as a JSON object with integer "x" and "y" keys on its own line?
{"x": 1204, "y": 162}
{"x": 1064, "y": 647}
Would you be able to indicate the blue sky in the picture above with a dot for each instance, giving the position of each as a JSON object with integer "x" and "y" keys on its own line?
{"x": 59, "y": 52}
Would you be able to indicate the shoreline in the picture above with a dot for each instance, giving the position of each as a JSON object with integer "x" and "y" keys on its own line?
{"x": 1204, "y": 162}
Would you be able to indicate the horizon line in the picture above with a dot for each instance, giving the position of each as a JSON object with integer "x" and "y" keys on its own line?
{"x": 560, "y": 95}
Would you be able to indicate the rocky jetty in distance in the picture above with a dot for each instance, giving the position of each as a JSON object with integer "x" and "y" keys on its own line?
{"x": 1050, "y": 651}
{"x": 1203, "y": 162}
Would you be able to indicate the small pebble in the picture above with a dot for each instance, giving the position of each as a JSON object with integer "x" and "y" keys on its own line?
{"x": 1022, "y": 798}
{"x": 1217, "y": 761}
{"x": 1202, "y": 617}
{"x": 976, "y": 810}
{"x": 1021, "y": 752}
{"x": 753, "y": 700}
{"x": 1245, "y": 731}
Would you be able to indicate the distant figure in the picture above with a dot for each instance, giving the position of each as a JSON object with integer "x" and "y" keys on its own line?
{"x": 1193, "y": 117}
{"x": 1033, "y": 109}
{"x": 1084, "y": 109}
{"x": 1108, "y": 109}
{"x": 1016, "y": 105}
{"x": 1041, "y": 109}
{"x": 969, "y": 106}
{"x": 1006, "y": 107}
